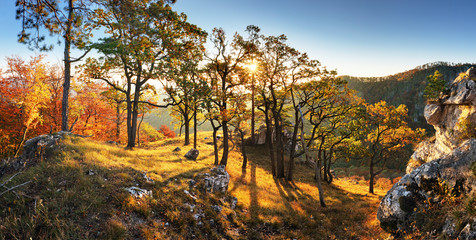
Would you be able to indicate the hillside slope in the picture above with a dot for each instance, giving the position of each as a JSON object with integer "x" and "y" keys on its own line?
{"x": 79, "y": 192}
{"x": 405, "y": 88}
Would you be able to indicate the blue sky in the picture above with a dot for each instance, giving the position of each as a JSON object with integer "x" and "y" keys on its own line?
{"x": 355, "y": 37}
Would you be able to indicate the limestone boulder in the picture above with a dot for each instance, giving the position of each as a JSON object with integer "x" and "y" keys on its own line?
{"x": 400, "y": 206}
{"x": 192, "y": 154}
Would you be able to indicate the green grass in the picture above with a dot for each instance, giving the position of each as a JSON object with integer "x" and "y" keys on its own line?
{"x": 64, "y": 202}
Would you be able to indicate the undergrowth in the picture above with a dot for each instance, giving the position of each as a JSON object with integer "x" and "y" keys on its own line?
{"x": 79, "y": 193}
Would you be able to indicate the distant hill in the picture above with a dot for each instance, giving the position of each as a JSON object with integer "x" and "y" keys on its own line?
{"x": 405, "y": 88}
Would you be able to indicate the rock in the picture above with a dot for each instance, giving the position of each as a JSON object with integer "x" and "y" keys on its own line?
{"x": 397, "y": 208}
{"x": 90, "y": 172}
{"x": 190, "y": 195}
{"x": 218, "y": 180}
{"x": 192, "y": 154}
{"x": 233, "y": 203}
{"x": 191, "y": 183}
{"x": 432, "y": 113}
{"x": 37, "y": 145}
{"x": 177, "y": 149}
{"x": 216, "y": 208}
{"x": 446, "y": 161}
{"x": 471, "y": 73}
{"x": 449, "y": 228}
{"x": 147, "y": 178}
{"x": 139, "y": 192}
{"x": 468, "y": 232}
{"x": 191, "y": 207}
{"x": 446, "y": 117}
{"x": 112, "y": 142}
{"x": 34, "y": 150}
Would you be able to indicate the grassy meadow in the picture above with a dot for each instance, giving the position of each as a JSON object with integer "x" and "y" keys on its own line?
{"x": 79, "y": 193}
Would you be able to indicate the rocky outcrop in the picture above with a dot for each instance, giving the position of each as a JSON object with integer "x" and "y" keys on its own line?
{"x": 442, "y": 166}
{"x": 423, "y": 186}
{"x": 217, "y": 180}
{"x": 446, "y": 115}
{"x": 34, "y": 150}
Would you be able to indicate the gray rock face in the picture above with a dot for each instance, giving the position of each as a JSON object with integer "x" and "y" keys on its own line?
{"x": 432, "y": 113}
{"x": 34, "y": 146}
{"x": 34, "y": 150}
{"x": 192, "y": 154}
{"x": 218, "y": 180}
{"x": 397, "y": 208}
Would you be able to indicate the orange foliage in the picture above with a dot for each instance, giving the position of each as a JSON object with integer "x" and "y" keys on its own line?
{"x": 164, "y": 129}
{"x": 90, "y": 113}
{"x": 23, "y": 95}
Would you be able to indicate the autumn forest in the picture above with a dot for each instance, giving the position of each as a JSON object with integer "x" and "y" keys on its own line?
{"x": 262, "y": 98}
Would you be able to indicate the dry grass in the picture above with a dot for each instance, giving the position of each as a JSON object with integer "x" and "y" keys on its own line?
{"x": 267, "y": 208}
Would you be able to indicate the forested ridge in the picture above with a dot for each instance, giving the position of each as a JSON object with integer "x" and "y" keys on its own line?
{"x": 406, "y": 88}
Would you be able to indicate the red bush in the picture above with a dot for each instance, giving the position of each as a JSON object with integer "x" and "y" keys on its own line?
{"x": 164, "y": 129}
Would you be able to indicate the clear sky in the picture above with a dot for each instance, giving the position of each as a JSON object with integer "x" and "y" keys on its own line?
{"x": 354, "y": 37}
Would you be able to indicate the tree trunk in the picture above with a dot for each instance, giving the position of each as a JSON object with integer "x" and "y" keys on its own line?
{"x": 67, "y": 68}
{"x": 224, "y": 156}
{"x": 243, "y": 151}
{"x": 138, "y": 129}
{"x": 319, "y": 186}
{"x": 309, "y": 158}
{"x": 215, "y": 143}
{"x": 187, "y": 129}
{"x": 292, "y": 151}
{"x": 17, "y": 151}
{"x": 269, "y": 143}
{"x": 253, "y": 140}
{"x": 371, "y": 181}
{"x": 118, "y": 121}
{"x": 135, "y": 112}
{"x": 195, "y": 128}
{"x": 279, "y": 147}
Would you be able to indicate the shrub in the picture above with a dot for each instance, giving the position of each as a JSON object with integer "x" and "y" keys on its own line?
{"x": 149, "y": 134}
{"x": 436, "y": 85}
{"x": 164, "y": 129}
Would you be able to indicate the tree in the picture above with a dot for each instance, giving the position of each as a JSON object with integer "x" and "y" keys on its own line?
{"x": 222, "y": 70}
{"x": 185, "y": 88}
{"x": 116, "y": 99}
{"x": 67, "y": 19}
{"x": 331, "y": 109}
{"x": 384, "y": 134}
{"x": 24, "y": 94}
{"x": 143, "y": 36}
{"x": 92, "y": 113}
{"x": 436, "y": 85}
{"x": 281, "y": 67}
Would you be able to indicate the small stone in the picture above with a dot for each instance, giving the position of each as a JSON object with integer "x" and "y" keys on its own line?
{"x": 233, "y": 203}
{"x": 147, "y": 178}
{"x": 216, "y": 208}
{"x": 191, "y": 183}
{"x": 139, "y": 192}
{"x": 90, "y": 172}
{"x": 177, "y": 149}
